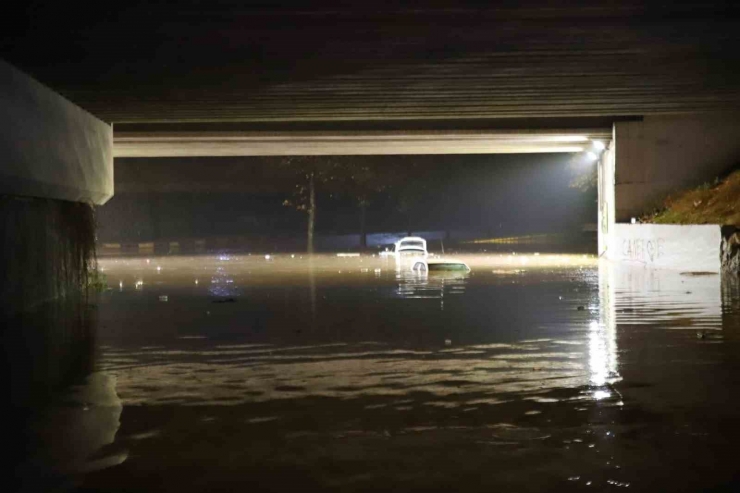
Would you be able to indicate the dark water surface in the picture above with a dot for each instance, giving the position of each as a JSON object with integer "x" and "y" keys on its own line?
{"x": 530, "y": 373}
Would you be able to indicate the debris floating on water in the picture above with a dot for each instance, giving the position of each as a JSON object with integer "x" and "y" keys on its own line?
{"x": 448, "y": 342}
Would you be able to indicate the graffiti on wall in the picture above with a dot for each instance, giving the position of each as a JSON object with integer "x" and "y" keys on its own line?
{"x": 643, "y": 250}
{"x": 666, "y": 246}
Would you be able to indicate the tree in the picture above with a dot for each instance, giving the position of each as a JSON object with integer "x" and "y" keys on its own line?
{"x": 310, "y": 172}
{"x": 363, "y": 183}
{"x": 346, "y": 175}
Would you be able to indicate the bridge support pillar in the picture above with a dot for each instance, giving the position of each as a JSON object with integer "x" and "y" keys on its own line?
{"x": 648, "y": 160}
{"x": 56, "y": 163}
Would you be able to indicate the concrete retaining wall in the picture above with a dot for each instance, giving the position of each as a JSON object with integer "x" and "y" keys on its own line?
{"x": 51, "y": 148}
{"x": 691, "y": 248}
{"x": 46, "y": 249}
{"x": 662, "y": 154}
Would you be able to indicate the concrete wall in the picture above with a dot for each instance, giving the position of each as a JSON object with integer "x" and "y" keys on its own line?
{"x": 694, "y": 248}
{"x": 55, "y": 161}
{"x": 49, "y": 147}
{"x": 606, "y": 211}
{"x": 46, "y": 249}
{"x": 662, "y": 154}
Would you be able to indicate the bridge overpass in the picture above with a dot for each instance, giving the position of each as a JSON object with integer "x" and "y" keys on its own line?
{"x": 658, "y": 84}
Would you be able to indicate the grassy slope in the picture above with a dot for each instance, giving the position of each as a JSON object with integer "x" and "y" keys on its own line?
{"x": 719, "y": 204}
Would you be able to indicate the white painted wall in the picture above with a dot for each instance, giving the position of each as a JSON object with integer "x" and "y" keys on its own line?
{"x": 605, "y": 220}
{"x": 665, "y": 246}
{"x": 50, "y": 147}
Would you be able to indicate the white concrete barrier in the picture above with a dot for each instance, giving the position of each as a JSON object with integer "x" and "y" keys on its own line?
{"x": 666, "y": 246}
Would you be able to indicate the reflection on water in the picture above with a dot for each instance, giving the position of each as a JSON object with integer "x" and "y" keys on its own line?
{"x": 530, "y": 372}
{"x": 60, "y": 414}
{"x": 678, "y": 300}
{"x": 433, "y": 285}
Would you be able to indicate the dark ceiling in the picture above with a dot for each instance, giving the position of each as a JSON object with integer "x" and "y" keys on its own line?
{"x": 223, "y": 60}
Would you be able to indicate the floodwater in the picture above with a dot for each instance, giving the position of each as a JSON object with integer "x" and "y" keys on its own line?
{"x": 530, "y": 373}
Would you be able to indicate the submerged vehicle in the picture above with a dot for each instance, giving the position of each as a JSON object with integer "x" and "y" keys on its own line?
{"x": 439, "y": 265}
{"x": 413, "y": 245}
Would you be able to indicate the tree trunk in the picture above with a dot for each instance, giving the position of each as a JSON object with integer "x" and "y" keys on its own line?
{"x": 311, "y": 212}
{"x": 363, "y": 229}
{"x": 154, "y": 216}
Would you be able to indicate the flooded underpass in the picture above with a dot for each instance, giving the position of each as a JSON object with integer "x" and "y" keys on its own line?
{"x": 284, "y": 373}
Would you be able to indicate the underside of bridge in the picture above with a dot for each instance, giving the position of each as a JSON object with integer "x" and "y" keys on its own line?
{"x": 231, "y": 61}
{"x": 226, "y": 78}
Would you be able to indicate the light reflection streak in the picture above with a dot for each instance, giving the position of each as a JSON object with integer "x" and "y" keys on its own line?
{"x": 312, "y": 288}
{"x": 426, "y": 285}
{"x": 602, "y": 337}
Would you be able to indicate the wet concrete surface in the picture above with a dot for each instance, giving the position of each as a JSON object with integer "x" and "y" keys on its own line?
{"x": 530, "y": 373}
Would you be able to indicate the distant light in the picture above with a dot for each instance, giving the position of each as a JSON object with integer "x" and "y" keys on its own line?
{"x": 599, "y": 145}
{"x": 267, "y": 257}
{"x": 601, "y": 394}
{"x": 159, "y": 268}
{"x": 196, "y": 281}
